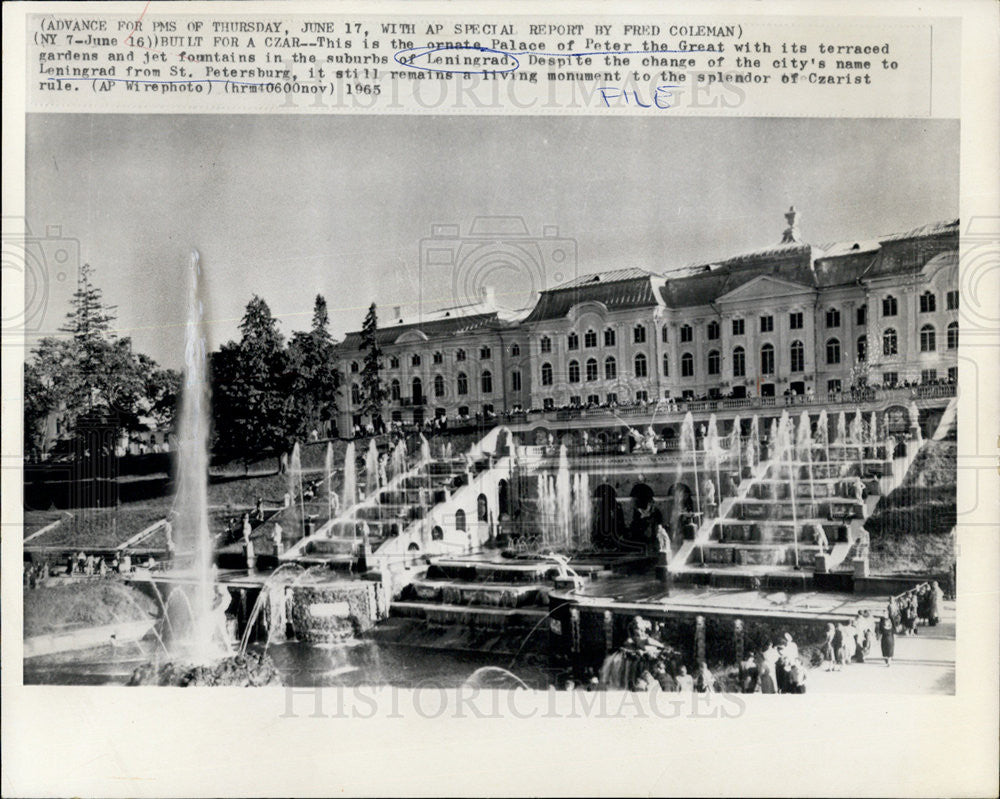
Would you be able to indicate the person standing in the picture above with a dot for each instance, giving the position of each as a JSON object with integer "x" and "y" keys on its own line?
{"x": 935, "y": 597}
{"x": 829, "y": 651}
{"x": 888, "y": 640}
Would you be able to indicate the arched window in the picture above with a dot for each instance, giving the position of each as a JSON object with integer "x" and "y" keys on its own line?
{"x": 462, "y": 383}
{"x": 609, "y": 337}
{"x": 666, "y": 365}
{"x": 355, "y": 394}
{"x": 712, "y": 331}
{"x": 418, "y": 391}
{"x": 798, "y": 353}
{"x": 610, "y": 368}
{"x": 687, "y": 365}
{"x": 572, "y": 341}
{"x": 640, "y": 364}
{"x": 486, "y": 381}
{"x": 890, "y": 307}
{"x": 890, "y": 345}
{"x": 639, "y": 334}
{"x": 515, "y": 349}
{"x": 591, "y": 369}
{"x": 415, "y": 360}
{"x": 590, "y": 339}
{"x": 767, "y": 359}
{"x": 438, "y": 357}
{"x": 482, "y": 509}
{"x": 460, "y": 355}
{"x": 833, "y": 351}
{"x": 354, "y": 366}
{"x": 574, "y": 371}
{"x": 953, "y": 336}
{"x": 438, "y": 386}
{"x": 545, "y": 344}
{"x": 928, "y": 339}
{"x": 687, "y": 334}
{"x": 546, "y": 374}
{"x": 665, "y": 334}
{"x": 862, "y": 349}
{"x": 394, "y": 391}
{"x": 460, "y": 520}
{"x": 714, "y": 362}
{"x": 928, "y": 302}
{"x": 739, "y": 362}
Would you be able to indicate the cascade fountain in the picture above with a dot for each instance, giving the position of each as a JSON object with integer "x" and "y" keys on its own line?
{"x": 804, "y": 444}
{"x": 564, "y": 499}
{"x": 713, "y": 451}
{"x": 349, "y": 490}
{"x": 397, "y": 462}
{"x": 736, "y": 447}
{"x": 873, "y": 429}
{"x": 371, "y": 469}
{"x": 823, "y": 434}
{"x": 841, "y": 436}
{"x": 425, "y": 449}
{"x": 786, "y": 448}
{"x": 755, "y": 438}
{"x": 914, "y": 414}
{"x": 583, "y": 510}
{"x": 856, "y": 430}
{"x": 689, "y": 444}
{"x": 332, "y": 503}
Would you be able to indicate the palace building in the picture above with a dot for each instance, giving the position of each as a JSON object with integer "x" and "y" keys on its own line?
{"x": 794, "y": 318}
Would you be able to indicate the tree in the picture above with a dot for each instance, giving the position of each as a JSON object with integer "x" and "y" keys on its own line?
{"x": 250, "y": 387}
{"x": 373, "y": 393}
{"x": 313, "y": 378}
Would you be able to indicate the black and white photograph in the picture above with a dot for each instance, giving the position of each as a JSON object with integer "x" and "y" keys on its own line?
{"x": 453, "y": 399}
{"x": 467, "y": 422}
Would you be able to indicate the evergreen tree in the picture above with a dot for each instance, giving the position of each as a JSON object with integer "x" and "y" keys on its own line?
{"x": 313, "y": 378}
{"x": 373, "y": 393}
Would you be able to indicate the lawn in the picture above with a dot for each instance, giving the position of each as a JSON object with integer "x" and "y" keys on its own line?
{"x": 86, "y": 602}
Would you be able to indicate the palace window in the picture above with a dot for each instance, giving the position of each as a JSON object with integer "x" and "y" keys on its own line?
{"x": 574, "y": 371}
{"x": 928, "y": 375}
{"x": 642, "y": 395}
{"x": 890, "y": 306}
{"x": 575, "y": 401}
{"x": 572, "y": 341}
{"x": 861, "y": 315}
{"x": 951, "y": 300}
{"x": 666, "y": 365}
{"x": 928, "y": 339}
{"x": 766, "y": 324}
{"x": 665, "y": 334}
{"x": 415, "y": 360}
{"x": 609, "y": 337}
{"x": 354, "y": 366}
{"x": 460, "y": 355}
{"x": 438, "y": 386}
{"x": 486, "y": 382}
{"x": 545, "y": 344}
{"x": 739, "y": 362}
{"x": 639, "y": 334}
{"x": 833, "y": 317}
{"x": 798, "y": 353}
{"x": 515, "y": 349}
{"x": 612, "y": 397}
{"x": 355, "y": 394}
{"x": 953, "y": 335}
{"x": 610, "y": 368}
{"x": 687, "y": 334}
{"x": 890, "y": 378}
{"x": 590, "y": 339}
{"x": 714, "y": 362}
{"x": 394, "y": 362}
{"x": 546, "y": 374}
{"x": 591, "y": 369}
{"x": 593, "y": 399}
{"x": 862, "y": 349}
{"x": 394, "y": 391}
{"x": 548, "y": 403}
{"x": 738, "y": 327}
{"x": 640, "y": 365}
{"x": 928, "y": 302}
{"x": 833, "y": 351}
{"x": 952, "y": 374}
{"x": 890, "y": 344}
{"x": 712, "y": 331}
{"x": 515, "y": 380}
{"x": 832, "y": 386}
{"x": 485, "y": 353}
{"x": 687, "y": 365}
{"x": 767, "y": 359}
{"x": 438, "y": 357}
{"x": 795, "y": 321}
{"x": 462, "y": 383}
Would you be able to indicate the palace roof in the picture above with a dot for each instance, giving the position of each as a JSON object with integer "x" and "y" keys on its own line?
{"x": 619, "y": 290}
{"x": 444, "y": 325}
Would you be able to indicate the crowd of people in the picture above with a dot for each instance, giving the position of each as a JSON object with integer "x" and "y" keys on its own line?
{"x": 36, "y": 574}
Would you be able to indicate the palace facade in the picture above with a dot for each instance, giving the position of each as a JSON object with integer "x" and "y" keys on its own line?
{"x": 794, "y": 318}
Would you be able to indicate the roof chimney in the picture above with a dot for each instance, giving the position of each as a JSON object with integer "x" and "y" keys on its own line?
{"x": 397, "y": 311}
{"x": 791, "y": 234}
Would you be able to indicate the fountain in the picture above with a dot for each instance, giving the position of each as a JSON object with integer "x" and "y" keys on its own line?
{"x": 564, "y": 500}
{"x": 295, "y": 482}
{"x": 203, "y": 643}
{"x": 397, "y": 463}
{"x": 349, "y": 490}
{"x": 425, "y": 449}
{"x": 371, "y": 469}
{"x": 688, "y": 444}
{"x": 804, "y": 444}
{"x": 873, "y": 429}
{"x": 915, "y": 430}
{"x": 583, "y": 510}
{"x": 857, "y": 430}
{"x": 823, "y": 434}
{"x": 713, "y": 452}
{"x": 332, "y": 500}
{"x": 841, "y": 435}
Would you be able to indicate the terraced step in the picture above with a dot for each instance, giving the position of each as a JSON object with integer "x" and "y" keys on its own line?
{"x": 494, "y": 618}
{"x": 455, "y": 592}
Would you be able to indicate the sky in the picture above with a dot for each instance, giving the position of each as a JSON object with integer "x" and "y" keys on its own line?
{"x": 290, "y": 206}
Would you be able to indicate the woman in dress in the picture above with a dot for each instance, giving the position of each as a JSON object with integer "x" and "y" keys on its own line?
{"x": 934, "y": 599}
{"x": 888, "y": 640}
